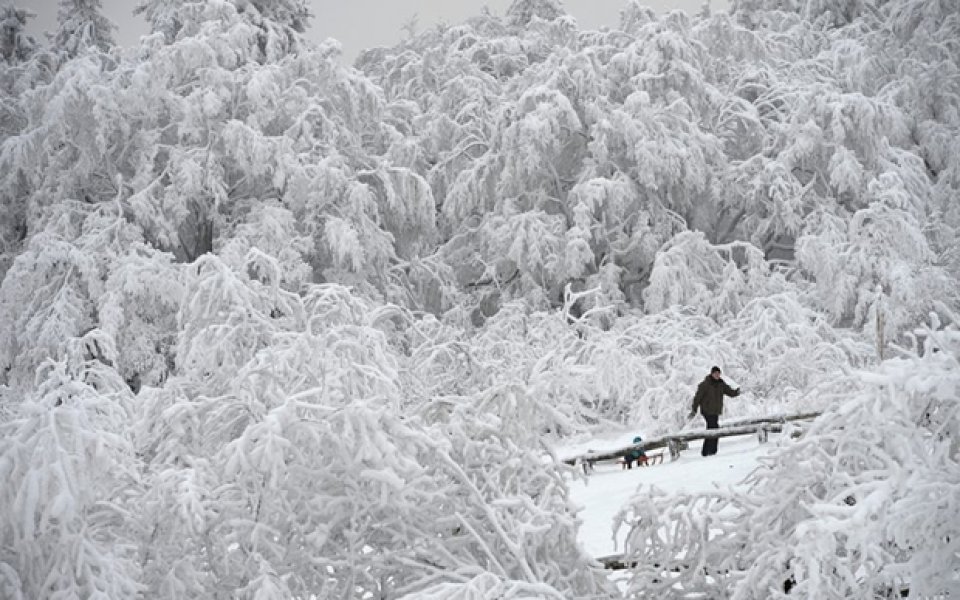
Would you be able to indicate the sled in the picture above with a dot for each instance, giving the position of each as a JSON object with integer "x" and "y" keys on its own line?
{"x": 642, "y": 461}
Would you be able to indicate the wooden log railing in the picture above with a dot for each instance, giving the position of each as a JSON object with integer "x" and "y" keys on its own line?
{"x": 773, "y": 419}
{"x": 675, "y": 442}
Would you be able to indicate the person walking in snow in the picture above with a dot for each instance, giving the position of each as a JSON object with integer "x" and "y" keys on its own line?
{"x": 709, "y": 401}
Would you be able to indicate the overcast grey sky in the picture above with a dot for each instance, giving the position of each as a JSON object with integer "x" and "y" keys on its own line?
{"x": 360, "y": 24}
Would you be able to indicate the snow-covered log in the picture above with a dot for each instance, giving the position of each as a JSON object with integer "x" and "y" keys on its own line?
{"x": 746, "y": 427}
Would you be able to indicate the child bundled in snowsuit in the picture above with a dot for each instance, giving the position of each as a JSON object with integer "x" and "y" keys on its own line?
{"x": 634, "y": 455}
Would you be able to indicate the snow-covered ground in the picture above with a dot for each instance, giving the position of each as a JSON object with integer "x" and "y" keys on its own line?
{"x": 608, "y": 488}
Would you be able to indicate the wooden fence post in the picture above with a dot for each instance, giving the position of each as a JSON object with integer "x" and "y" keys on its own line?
{"x": 674, "y": 446}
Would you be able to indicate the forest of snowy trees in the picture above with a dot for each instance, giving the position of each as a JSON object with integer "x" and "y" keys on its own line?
{"x": 274, "y": 327}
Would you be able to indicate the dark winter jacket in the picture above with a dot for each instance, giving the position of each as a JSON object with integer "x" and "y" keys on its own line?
{"x": 710, "y": 393}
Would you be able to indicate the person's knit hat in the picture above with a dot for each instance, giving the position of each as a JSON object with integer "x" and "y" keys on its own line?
{"x": 715, "y": 369}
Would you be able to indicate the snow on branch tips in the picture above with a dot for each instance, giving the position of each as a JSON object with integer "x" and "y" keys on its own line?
{"x": 275, "y": 325}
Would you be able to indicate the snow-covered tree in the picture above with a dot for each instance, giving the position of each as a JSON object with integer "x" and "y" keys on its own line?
{"x": 276, "y": 24}
{"x": 71, "y": 478}
{"x": 521, "y": 12}
{"x": 16, "y": 45}
{"x": 284, "y": 454}
{"x": 717, "y": 279}
{"x": 138, "y": 308}
{"x": 327, "y": 321}
{"x": 82, "y": 25}
{"x": 52, "y": 290}
{"x": 879, "y": 261}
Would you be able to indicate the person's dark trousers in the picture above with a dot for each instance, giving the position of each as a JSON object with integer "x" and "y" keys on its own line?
{"x": 710, "y": 444}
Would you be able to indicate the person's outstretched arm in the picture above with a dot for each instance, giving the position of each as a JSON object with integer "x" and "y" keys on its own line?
{"x": 697, "y": 399}
{"x": 730, "y": 392}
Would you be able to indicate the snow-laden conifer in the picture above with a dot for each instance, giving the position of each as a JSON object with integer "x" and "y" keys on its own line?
{"x": 16, "y": 45}
{"x": 82, "y": 25}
